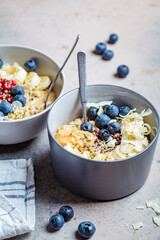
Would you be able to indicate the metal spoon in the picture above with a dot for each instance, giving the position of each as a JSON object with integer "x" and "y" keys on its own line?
{"x": 60, "y": 70}
{"x": 81, "y": 56}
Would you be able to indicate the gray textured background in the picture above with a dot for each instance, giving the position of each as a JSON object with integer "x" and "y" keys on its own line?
{"x": 52, "y": 26}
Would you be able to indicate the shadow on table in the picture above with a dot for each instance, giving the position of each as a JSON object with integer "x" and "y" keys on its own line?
{"x": 48, "y": 189}
{"x": 14, "y": 148}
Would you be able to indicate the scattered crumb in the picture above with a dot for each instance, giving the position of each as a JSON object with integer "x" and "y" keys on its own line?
{"x": 150, "y": 203}
{"x": 137, "y": 225}
{"x": 75, "y": 218}
{"x": 156, "y": 221}
{"x": 140, "y": 207}
{"x": 76, "y": 13}
{"x": 154, "y": 205}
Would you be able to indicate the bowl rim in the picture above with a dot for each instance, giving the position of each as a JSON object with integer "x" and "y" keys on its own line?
{"x": 50, "y": 58}
{"x": 99, "y": 161}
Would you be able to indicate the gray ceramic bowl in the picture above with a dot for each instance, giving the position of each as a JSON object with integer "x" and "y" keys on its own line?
{"x": 97, "y": 179}
{"x": 17, "y": 131}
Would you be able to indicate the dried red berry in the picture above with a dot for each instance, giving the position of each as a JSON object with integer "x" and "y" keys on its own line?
{"x": 14, "y": 83}
{"x": 1, "y": 95}
{"x": 9, "y": 99}
{"x": 5, "y": 89}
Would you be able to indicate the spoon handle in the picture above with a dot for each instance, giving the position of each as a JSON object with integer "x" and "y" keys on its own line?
{"x": 82, "y": 80}
{"x": 60, "y": 70}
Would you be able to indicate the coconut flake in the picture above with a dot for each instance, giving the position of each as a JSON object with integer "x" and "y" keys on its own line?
{"x": 16, "y": 104}
{"x": 154, "y": 205}
{"x": 140, "y": 207}
{"x": 112, "y": 121}
{"x": 156, "y": 221}
{"x": 98, "y": 105}
{"x": 100, "y": 111}
{"x": 146, "y": 112}
{"x": 137, "y": 225}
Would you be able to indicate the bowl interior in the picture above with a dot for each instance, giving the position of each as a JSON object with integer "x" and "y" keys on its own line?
{"x": 68, "y": 107}
{"x": 45, "y": 66}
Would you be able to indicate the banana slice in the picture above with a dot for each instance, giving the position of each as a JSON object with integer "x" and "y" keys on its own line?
{"x": 20, "y": 74}
{"x": 44, "y": 83}
{"x": 32, "y": 80}
{"x": 10, "y": 70}
{"x": 2, "y": 74}
{"x": 16, "y": 72}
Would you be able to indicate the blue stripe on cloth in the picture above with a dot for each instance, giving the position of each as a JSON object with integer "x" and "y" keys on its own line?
{"x": 14, "y": 189}
{"x": 30, "y": 198}
{"x": 30, "y": 192}
{"x": 31, "y": 186}
{"x": 15, "y": 196}
{"x": 11, "y": 183}
{"x": 7, "y": 213}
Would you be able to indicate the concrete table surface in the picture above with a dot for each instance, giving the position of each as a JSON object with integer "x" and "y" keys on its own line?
{"x": 52, "y": 26}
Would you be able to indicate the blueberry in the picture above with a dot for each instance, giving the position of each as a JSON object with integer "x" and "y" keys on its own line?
{"x": 86, "y": 126}
{"x": 17, "y": 90}
{"x": 114, "y": 128}
{"x": 6, "y": 107}
{"x": 111, "y": 110}
{"x": 21, "y": 98}
{"x": 124, "y": 110}
{"x": 92, "y": 113}
{"x": 1, "y": 63}
{"x": 102, "y": 121}
{"x": 122, "y": 71}
{"x": 30, "y": 65}
{"x": 1, "y": 114}
{"x": 67, "y": 212}
{"x": 104, "y": 134}
{"x": 56, "y": 221}
{"x": 100, "y": 47}
{"x": 113, "y": 38}
{"x": 108, "y": 54}
{"x": 86, "y": 229}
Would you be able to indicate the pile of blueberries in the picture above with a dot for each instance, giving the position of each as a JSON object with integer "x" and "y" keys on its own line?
{"x": 101, "y": 49}
{"x": 102, "y": 121}
{"x": 17, "y": 92}
{"x": 85, "y": 229}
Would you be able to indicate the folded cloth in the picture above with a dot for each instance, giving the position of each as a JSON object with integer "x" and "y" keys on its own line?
{"x": 17, "y": 197}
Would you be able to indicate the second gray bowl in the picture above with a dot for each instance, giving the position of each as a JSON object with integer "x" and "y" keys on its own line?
{"x": 97, "y": 179}
{"x": 21, "y": 130}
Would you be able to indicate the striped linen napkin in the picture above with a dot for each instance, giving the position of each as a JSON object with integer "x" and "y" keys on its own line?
{"x": 17, "y": 197}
